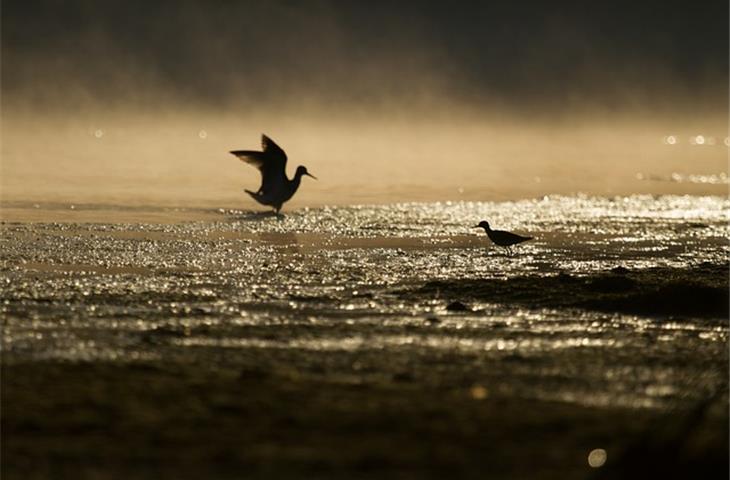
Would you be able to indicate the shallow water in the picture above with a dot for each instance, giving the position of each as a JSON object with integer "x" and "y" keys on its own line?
{"x": 320, "y": 290}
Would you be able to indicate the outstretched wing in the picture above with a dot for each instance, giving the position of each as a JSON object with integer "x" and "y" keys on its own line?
{"x": 274, "y": 150}
{"x": 271, "y": 163}
{"x": 252, "y": 157}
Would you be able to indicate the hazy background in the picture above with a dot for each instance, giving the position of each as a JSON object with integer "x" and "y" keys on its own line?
{"x": 136, "y": 102}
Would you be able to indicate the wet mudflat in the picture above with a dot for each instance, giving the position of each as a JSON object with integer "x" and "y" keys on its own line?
{"x": 385, "y": 341}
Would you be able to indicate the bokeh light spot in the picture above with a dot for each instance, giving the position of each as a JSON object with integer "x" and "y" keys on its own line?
{"x": 671, "y": 140}
{"x": 98, "y": 133}
{"x": 203, "y": 134}
{"x": 700, "y": 140}
{"x": 597, "y": 458}
{"x": 478, "y": 392}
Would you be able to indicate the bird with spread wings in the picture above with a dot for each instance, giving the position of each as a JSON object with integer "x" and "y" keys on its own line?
{"x": 276, "y": 188}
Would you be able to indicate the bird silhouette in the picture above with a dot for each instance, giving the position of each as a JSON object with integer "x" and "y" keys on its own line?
{"x": 502, "y": 238}
{"x": 275, "y": 187}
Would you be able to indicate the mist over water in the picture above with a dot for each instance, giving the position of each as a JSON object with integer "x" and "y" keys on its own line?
{"x": 184, "y": 160}
{"x": 387, "y": 103}
{"x": 260, "y": 54}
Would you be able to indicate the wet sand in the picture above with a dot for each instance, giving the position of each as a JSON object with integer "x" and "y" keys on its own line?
{"x": 368, "y": 342}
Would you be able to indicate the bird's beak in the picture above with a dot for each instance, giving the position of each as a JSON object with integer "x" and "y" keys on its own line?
{"x": 310, "y": 175}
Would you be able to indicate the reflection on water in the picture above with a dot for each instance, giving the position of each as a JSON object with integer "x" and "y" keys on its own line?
{"x": 322, "y": 287}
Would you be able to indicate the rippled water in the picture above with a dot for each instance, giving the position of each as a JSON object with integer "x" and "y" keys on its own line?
{"x": 320, "y": 290}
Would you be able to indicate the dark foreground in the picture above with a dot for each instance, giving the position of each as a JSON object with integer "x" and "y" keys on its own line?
{"x": 147, "y": 420}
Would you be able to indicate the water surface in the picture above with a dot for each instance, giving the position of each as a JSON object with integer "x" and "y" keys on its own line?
{"x": 338, "y": 289}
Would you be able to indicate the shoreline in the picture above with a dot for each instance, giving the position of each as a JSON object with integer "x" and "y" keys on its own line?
{"x": 67, "y": 211}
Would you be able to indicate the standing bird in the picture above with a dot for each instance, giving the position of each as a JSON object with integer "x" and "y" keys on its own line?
{"x": 502, "y": 238}
{"x": 275, "y": 187}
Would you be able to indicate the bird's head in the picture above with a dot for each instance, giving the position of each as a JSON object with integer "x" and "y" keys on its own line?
{"x": 483, "y": 224}
{"x": 302, "y": 170}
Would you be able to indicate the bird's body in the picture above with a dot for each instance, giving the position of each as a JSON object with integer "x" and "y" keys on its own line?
{"x": 502, "y": 238}
{"x": 275, "y": 187}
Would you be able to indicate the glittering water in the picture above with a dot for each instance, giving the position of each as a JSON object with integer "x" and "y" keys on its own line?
{"x": 324, "y": 286}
